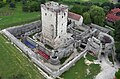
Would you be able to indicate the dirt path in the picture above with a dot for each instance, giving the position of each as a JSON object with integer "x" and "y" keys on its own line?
{"x": 108, "y": 71}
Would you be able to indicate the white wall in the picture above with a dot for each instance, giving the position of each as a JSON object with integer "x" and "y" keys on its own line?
{"x": 78, "y": 23}
{"x": 54, "y": 23}
{"x": 48, "y": 19}
{"x": 62, "y": 22}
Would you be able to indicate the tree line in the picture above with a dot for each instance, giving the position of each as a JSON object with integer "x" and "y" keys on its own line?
{"x": 93, "y": 12}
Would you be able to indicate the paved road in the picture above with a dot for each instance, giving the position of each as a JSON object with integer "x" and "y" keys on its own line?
{"x": 108, "y": 72}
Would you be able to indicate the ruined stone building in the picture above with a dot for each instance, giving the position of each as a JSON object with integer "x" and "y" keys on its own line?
{"x": 54, "y": 22}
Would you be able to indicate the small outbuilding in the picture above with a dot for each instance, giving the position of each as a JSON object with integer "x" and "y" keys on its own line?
{"x": 75, "y": 18}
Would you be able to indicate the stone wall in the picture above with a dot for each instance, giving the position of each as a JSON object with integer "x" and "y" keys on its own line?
{"x": 39, "y": 63}
{"x": 22, "y": 29}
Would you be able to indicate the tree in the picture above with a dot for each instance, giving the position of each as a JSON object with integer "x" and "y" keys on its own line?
{"x": 24, "y": 2}
{"x": 25, "y": 8}
{"x": 85, "y": 9}
{"x": 43, "y": 1}
{"x": 117, "y": 74}
{"x": 87, "y": 19}
{"x": 8, "y": 1}
{"x": 17, "y": 0}
{"x": 117, "y": 31}
{"x": 111, "y": 5}
{"x": 31, "y": 6}
{"x": 1, "y": 4}
{"x": 34, "y": 6}
{"x": 4, "y": 1}
{"x": 99, "y": 20}
{"x": 54, "y": 0}
{"x": 97, "y": 15}
{"x": 12, "y": 5}
{"x": 118, "y": 55}
{"x": 87, "y": 3}
{"x": 106, "y": 9}
{"x": 76, "y": 9}
{"x": 117, "y": 5}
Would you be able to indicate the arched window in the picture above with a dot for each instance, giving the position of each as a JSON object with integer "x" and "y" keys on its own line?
{"x": 52, "y": 30}
{"x": 45, "y": 14}
{"x": 64, "y": 14}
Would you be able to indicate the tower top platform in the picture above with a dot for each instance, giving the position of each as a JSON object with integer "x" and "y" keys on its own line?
{"x": 54, "y": 6}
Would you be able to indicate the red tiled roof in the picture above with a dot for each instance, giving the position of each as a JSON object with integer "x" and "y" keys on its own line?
{"x": 115, "y": 10}
{"x": 74, "y": 16}
{"x": 111, "y": 16}
{"x": 43, "y": 54}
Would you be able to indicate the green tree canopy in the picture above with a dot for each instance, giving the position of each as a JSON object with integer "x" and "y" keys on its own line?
{"x": 34, "y": 6}
{"x": 87, "y": 19}
{"x": 106, "y": 9}
{"x": 97, "y": 15}
{"x": 117, "y": 5}
{"x": 117, "y": 74}
{"x": 111, "y": 5}
{"x": 76, "y": 9}
{"x": 117, "y": 31}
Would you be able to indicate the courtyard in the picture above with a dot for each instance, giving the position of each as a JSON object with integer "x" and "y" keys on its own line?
{"x": 82, "y": 71}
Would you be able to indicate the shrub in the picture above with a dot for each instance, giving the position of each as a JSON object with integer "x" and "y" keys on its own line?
{"x": 34, "y": 6}
{"x": 12, "y": 5}
{"x": 25, "y": 8}
{"x": 1, "y": 4}
{"x": 117, "y": 74}
{"x": 31, "y": 6}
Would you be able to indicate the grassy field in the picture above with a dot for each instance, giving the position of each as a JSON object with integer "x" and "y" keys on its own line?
{"x": 10, "y": 17}
{"x": 79, "y": 71}
{"x": 13, "y": 65}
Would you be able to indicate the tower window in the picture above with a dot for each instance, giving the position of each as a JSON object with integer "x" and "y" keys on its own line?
{"x": 62, "y": 16}
{"x": 45, "y": 14}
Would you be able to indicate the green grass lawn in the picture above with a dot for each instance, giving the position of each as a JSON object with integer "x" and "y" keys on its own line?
{"x": 16, "y": 17}
{"x": 13, "y": 63}
{"x": 79, "y": 70}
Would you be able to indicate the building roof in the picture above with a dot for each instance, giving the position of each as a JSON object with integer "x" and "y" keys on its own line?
{"x": 43, "y": 54}
{"x": 74, "y": 16}
{"x": 113, "y": 15}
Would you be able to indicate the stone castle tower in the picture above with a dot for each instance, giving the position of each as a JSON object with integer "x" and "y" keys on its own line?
{"x": 54, "y": 22}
